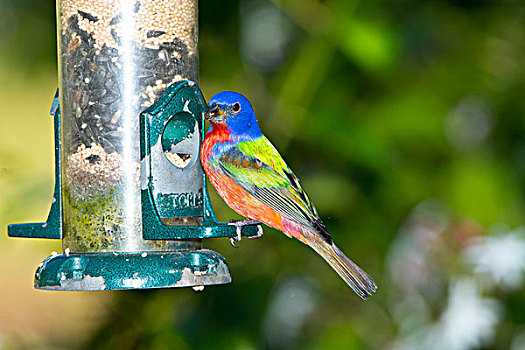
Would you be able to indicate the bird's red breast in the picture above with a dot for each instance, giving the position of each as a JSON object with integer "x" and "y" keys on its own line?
{"x": 218, "y": 133}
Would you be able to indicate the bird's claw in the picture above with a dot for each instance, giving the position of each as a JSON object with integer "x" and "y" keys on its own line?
{"x": 231, "y": 242}
{"x": 239, "y": 225}
{"x": 236, "y": 238}
{"x": 259, "y": 234}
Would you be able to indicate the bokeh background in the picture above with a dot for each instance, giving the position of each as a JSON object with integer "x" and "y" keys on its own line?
{"x": 405, "y": 121}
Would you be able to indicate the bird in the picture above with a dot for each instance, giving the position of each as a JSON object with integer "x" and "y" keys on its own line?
{"x": 250, "y": 175}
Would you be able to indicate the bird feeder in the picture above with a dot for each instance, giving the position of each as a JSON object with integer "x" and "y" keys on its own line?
{"x": 130, "y": 202}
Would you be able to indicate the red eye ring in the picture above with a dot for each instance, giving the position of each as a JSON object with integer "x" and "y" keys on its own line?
{"x": 236, "y": 107}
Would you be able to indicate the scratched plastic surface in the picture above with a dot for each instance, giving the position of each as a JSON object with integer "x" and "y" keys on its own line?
{"x": 116, "y": 57}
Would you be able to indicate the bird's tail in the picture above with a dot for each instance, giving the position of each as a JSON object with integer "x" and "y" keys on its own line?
{"x": 362, "y": 284}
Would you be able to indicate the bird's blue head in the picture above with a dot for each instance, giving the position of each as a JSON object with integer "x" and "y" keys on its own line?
{"x": 235, "y": 112}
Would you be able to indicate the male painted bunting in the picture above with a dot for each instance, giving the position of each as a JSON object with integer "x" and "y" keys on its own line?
{"x": 253, "y": 179}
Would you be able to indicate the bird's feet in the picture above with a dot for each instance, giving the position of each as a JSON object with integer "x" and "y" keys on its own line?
{"x": 239, "y": 225}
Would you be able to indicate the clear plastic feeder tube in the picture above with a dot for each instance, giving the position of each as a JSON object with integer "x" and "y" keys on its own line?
{"x": 116, "y": 57}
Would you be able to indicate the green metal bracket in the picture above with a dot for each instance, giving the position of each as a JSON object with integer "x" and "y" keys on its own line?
{"x": 52, "y": 228}
{"x": 175, "y": 123}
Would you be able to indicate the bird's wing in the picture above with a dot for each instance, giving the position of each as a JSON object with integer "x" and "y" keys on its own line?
{"x": 257, "y": 167}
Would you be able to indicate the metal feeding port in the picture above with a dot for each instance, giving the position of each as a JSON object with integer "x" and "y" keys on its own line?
{"x": 130, "y": 201}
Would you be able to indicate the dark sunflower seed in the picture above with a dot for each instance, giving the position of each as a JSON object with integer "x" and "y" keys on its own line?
{"x": 87, "y": 16}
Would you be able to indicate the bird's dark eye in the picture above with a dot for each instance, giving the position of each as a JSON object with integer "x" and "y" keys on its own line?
{"x": 236, "y": 107}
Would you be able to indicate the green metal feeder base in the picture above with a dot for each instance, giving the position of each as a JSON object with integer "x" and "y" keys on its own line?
{"x": 120, "y": 271}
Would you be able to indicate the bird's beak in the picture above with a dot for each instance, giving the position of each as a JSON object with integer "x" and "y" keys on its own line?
{"x": 215, "y": 114}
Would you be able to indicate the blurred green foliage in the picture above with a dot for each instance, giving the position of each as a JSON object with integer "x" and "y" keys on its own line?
{"x": 378, "y": 106}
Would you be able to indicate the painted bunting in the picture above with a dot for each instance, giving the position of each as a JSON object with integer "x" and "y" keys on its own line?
{"x": 251, "y": 176}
